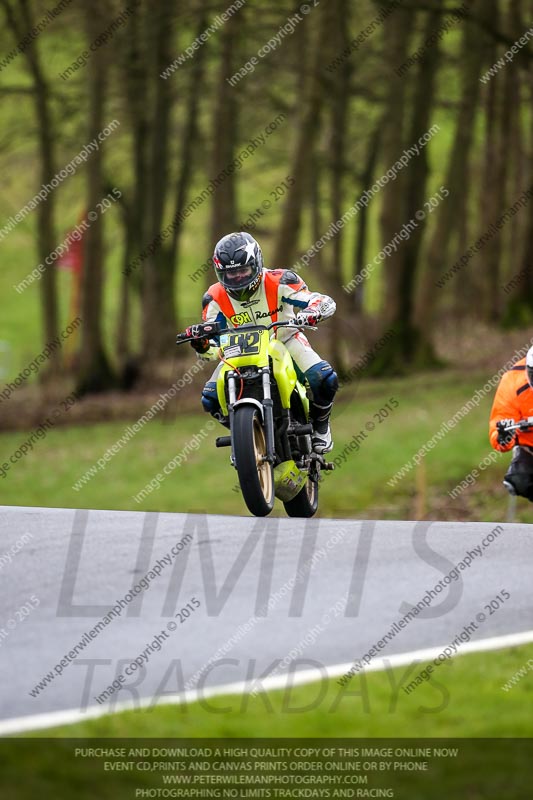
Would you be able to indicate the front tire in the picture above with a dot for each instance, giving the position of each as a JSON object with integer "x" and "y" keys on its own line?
{"x": 305, "y": 504}
{"x": 256, "y": 475}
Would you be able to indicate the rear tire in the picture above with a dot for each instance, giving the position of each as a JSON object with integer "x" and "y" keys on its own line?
{"x": 256, "y": 476}
{"x": 305, "y": 504}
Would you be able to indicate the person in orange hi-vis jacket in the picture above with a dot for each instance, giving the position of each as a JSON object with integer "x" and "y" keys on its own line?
{"x": 514, "y": 402}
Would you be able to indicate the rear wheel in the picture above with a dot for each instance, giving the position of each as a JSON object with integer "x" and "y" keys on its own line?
{"x": 256, "y": 475}
{"x": 305, "y": 504}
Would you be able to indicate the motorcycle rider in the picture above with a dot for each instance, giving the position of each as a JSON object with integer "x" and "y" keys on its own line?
{"x": 246, "y": 292}
{"x": 513, "y": 402}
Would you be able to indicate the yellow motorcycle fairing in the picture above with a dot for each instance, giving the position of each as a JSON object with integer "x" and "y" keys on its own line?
{"x": 243, "y": 348}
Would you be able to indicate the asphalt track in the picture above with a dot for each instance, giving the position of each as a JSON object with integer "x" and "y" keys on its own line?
{"x": 327, "y": 590}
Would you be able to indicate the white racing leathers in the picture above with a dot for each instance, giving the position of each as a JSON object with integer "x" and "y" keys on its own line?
{"x": 281, "y": 295}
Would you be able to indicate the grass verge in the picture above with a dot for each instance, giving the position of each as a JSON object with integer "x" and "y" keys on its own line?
{"x": 371, "y": 444}
{"x": 464, "y": 701}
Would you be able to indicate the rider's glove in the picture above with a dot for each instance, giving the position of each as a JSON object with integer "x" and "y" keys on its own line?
{"x": 505, "y": 437}
{"x": 308, "y": 317}
{"x": 200, "y": 345}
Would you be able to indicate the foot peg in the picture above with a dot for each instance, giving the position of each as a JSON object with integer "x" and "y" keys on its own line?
{"x": 327, "y": 466}
{"x": 223, "y": 441}
{"x": 301, "y": 430}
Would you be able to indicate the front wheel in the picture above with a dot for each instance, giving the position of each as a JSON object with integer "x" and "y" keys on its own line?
{"x": 256, "y": 475}
{"x": 305, "y": 504}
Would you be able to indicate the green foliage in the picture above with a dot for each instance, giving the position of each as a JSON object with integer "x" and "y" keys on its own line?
{"x": 518, "y": 313}
{"x": 358, "y": 488}
{"x": 279, "y": 82}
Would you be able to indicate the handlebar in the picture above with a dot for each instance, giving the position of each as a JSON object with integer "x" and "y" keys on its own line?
{"x": 523, "y": 425}
{"x": 208, "y": 329}
{"x": 205, "y": 330}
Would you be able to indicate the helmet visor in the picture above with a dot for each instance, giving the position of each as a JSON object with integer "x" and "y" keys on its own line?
{"x": 237, "y": 277}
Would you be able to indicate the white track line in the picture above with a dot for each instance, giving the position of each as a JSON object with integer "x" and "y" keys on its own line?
{"x": 35, "y": 722}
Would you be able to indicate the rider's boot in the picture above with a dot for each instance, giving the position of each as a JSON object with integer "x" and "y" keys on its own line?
{"x": 322, "y": 441}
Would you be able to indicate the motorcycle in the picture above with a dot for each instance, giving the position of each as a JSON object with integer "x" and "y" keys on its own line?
{"x": 266, "y": 409}
{"x": 522, "y": 426}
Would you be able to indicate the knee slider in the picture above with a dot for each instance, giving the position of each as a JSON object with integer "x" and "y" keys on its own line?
{"x": 323, "y": 381}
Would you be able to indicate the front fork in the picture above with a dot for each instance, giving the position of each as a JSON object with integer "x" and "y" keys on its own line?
{"x": 268, "y": 412}
{"x": 232, "y": 395}
{"x": 268, "y": 406}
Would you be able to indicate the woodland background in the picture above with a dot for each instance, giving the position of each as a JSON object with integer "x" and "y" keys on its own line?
{"x": 349, "y": 116}
{"x": 337, "y": 101}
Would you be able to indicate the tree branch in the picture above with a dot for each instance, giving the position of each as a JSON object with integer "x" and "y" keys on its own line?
{"x": 497, "y": 35}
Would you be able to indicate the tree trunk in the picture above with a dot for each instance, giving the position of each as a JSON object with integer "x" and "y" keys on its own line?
{"x": 361, "y": 234}
{"x": 190, "y": 140}
{"x": 127, "y": 367}
{"x": 158, "y": 311}
{"x": 519, "y": 286}
{"x": 134, "y": 75}
{"x": 306, "y": 137}
{"x": 46, "y": 237}
{"x": 94, "y": 372}
{"x": 493, "y": 186}
{"x": 409, "y": 348}
{"x": 469, "y": 289}
{"x": 498, "y": 201}
{"x": 397, "y": 34}
{"x": 224, "y": 129}
{"x": 340, "y": 100}
{"x": 453, "y": 209}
